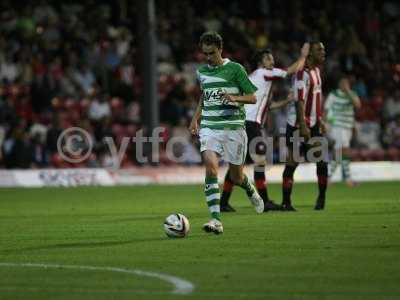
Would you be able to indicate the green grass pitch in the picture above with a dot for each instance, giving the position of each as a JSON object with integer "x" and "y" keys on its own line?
{"x": 349, "y": 251}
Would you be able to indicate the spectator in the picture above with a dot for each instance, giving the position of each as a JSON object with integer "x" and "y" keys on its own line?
{"x": 392, "y": 133}
{"x": 99, "y": 108}
{"x": 8, "y": 69}
{"x": 17, "y": 150}
{"x": 392, "y": 106}
{"x": 84, "y": 78}
{"x": 54, "y": 56}
{"x": 368, "y": 135}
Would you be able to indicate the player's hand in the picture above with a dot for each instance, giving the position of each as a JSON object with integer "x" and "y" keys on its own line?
{"x": 322, "y": 127}
{"x": 305, "y": 50}
{"x": 305, "y": 132}
{"x": 227, "y": 99}
{"x": 290, "y": 97}
{"x": 194, "y": 127}
{"x": 345, "y": 85}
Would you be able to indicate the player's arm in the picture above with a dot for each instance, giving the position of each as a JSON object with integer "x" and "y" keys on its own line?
{"x": 300, "y": 87}
{"x": 246, "y": 86}
{"x": 328, "y": 117}
{"x": 353, "y": 96}
{"x": 194, "y": 124}
{"x": 299, "y": 64}
{"x": 281, "y": 103}
{"x": 246, "y": 99}
{"x": 355, "y": 99}
{"x": 304, "y": 131}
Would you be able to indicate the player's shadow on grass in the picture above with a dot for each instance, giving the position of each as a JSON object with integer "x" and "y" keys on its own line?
{"x": 375, "y": 212}
{"x": 83, "y": 245}
{"x": 131, "y": 219}
{"x": 93, "y": 244}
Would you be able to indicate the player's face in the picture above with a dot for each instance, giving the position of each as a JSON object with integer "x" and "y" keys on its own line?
{"x": 344, "y": 84}
{"x": 318, "y": 53}
{"x": 268, "y": 61}
{"x": 212, "y": 54}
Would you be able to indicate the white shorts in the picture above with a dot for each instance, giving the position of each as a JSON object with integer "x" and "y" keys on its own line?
{"x": 231, "y": 145}
{"x": 341, "y": 137}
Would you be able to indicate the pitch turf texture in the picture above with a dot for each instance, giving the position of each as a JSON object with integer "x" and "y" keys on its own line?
{"x": 349, "y": 251}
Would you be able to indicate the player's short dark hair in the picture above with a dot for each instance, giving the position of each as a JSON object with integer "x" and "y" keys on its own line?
{"x": 313, "y": 43}
{"x": 258, "y": 57}
{"x": 211, "y": 38}
{"x": 342, "y": 75}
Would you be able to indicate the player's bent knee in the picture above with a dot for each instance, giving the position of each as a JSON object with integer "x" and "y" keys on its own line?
{"x": 211, "y": 173}
{"x": 211, "y": 170}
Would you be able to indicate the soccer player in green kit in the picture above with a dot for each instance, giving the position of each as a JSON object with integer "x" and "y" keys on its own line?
{"x": 219, "y": 121}
{"x": 339, "y": 107}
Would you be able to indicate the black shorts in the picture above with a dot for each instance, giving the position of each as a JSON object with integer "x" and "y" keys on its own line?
{"x": 304, "y": 147}
{"x": 254, "y": 131}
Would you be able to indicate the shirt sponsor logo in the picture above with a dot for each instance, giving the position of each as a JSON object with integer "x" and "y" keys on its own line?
{"x": 213, "y": 95}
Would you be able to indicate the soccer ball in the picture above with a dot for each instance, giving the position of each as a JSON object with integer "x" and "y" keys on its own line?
{"x": 176, "y": 226}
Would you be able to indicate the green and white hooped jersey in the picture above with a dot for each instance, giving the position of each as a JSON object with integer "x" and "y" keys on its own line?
{"x": 339, "y": 110}
{"x": 230, "y": 78}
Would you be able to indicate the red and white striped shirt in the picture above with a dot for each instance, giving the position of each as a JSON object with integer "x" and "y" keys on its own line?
{"x": 262, "y": 78}
{"x": 307, "y": 87}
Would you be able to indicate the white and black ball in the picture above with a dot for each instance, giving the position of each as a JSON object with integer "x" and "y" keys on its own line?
{"x": 176, "y": 226}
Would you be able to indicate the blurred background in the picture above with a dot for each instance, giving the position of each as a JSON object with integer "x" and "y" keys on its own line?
{"x": 79, "y": 63}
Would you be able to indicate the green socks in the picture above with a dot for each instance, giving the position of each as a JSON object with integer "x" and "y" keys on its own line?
{"x": 212, "y": 196}
{"x": 247, "y": 186}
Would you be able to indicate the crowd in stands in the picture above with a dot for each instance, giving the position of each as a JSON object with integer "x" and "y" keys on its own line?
{"x": 66, "y": 64}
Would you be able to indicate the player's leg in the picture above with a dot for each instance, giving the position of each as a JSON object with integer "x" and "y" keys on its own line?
{"x": 288, "y": 172}
{"x": 257, "y": 154}
{"x": 322, "y": 172}
{"x": 332, "y": 167}
{"x": 346, "y": 166}
{"x": 333, "y": 164}
{"x": 287, "y": 182}
{"x": 346, "y": 152}
{"x": 239, "y": 178}
{"x": 210, "y": 148}
{"x": 261, "y": 186}
{"x": 211, "y": 191}
{"x": 235, "y": 150}
{"x": 342, "y": 138}
{"x": 226, "y": 194}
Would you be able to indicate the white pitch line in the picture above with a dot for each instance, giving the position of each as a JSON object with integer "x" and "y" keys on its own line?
{"x": 182, "y": 286}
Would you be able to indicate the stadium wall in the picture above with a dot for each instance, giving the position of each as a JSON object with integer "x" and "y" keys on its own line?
{"x": 361, "y": 171}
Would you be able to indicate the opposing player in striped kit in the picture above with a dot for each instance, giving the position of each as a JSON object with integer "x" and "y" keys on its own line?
{"x": 263, "y": 75}
{"x": 339, "y": 108}
{"x": 225, "y": 89}
{"x": 305, "y": 114}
